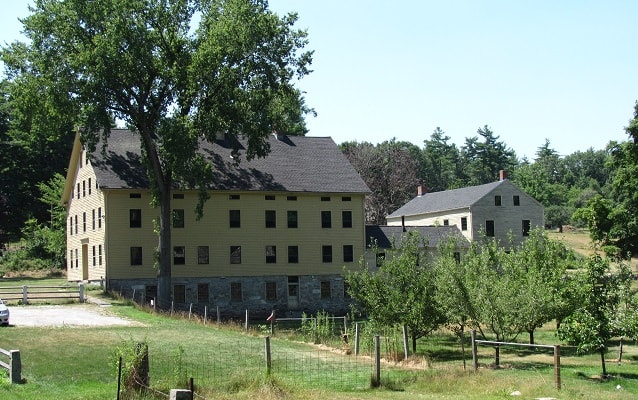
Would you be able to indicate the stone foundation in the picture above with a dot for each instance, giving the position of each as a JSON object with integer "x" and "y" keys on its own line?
{"x": 309, "y": 298}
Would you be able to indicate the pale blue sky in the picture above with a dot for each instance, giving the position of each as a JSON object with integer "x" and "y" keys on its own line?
{"x": 562, "y": 70}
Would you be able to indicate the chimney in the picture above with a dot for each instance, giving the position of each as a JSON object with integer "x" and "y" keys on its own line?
{"x": 502, "y": 175}
{"x": 419, "y": 190}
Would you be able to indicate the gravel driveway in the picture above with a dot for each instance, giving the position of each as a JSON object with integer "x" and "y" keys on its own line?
{"x": 65, "y": 315}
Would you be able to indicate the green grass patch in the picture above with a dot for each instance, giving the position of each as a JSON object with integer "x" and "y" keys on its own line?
{"x": 228, "y": 363}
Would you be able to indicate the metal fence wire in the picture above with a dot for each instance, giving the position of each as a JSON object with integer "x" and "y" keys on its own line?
{"x": 225, "y": 366}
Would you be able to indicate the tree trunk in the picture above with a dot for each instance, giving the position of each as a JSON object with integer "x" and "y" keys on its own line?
{"x": 602, "y": 360}
{"x": 164, "y": 281}
{"x": 531, "y": 336}
{"x": 497, "y": 356}
{"x": 413, "y": 343}
{"x": 462, "y": 336}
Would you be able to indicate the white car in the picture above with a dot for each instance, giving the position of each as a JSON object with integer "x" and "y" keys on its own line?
{"x": 4, "y": 313}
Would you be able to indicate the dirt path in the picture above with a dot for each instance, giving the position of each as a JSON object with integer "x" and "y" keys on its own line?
{"x": 65, "y": 315}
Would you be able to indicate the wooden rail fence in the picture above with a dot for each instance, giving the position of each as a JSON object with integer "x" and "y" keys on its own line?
{"x": 497, "y": 345}
{"x": 13, "y": 366}
{"x": 26, "y": 293}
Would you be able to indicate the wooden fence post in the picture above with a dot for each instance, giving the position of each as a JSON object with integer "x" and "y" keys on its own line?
{"x": 356, "y": 338}
{"x": 377, "y": 361}
{"x": 190, "y": 310}
{"x": 15, "y": 374}
{"x": 25, "y": 297}
{"x": 81, "y": 291}
{"x": 219, "y": 319}
{"x": 205, "y": 314}
{"x": 268, "y": 357}
{"x": 474, "y": 352}
{"x": 406, "y": 344}
{"x": 557, "y": 366}
{"x": 247, "y": 324}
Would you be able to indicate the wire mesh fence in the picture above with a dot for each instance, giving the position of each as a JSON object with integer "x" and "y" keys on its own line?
{"x": 227, "y": 366}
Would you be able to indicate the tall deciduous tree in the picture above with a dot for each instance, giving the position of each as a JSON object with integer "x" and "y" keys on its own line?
{"x": 172, "y": 83}
{"x": 391, "y": 169}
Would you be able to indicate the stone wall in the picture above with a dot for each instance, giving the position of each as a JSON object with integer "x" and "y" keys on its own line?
{"x": 310, "y": 298}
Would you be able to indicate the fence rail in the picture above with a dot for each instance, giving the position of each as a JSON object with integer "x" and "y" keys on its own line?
{"x": 26, "y": 293}
{"x": 13, "y": 366}
{"x": 497, "y": 345}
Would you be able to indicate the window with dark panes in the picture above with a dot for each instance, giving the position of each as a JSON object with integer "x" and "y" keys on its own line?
{"x": 325, "y": 198}
{"x": 326, "y": 253}
{"x": 326, "y": 290}
{"x": 489, "y": 228}
{"x": 348, "y": 253}
{"x": 497, "y": 201}
{"x": 516, "y": 200}
{"x": 526, "y": 227}
{"x": 293, "y": 254}
{"x": 203, "y": 295}
{"x": 271, "y": 290}
{"x": 235, "y": 254}
{"x": 271, "y": 254}
{"x": 292, "y": 219}
{"x": 178, "y": 218}
{"x": 269, "y": 197}
{"x": 346, "y": 219}
{"x": 326, "y": 219}
{"x": 84, "y": 222}
{"x": 202, "y": 255}
{"x": 234, "y": 217}
{"x": 446, "y": 222}
{"x": 463, "y": 223}
{"x": 135, "y": 218}
{"x": 93, "y": 219}
{"x": 457, "y": 256}
{"x": 235, "y": 291}
{"x": 179, "y": 293}
{"x": 136, "y": 255}
{"x": 271, "y": 219}
{"x": 99, "y": 217}
{"x": 179, "y": 255}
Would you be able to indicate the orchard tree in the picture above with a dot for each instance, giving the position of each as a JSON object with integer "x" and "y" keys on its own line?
{"x": 145, "y": 63}
{"x": 453, "y": 292}
{"x": 543, "y": 279}
{"x": 402, "y": 291}
{"x": 599, "y": 317}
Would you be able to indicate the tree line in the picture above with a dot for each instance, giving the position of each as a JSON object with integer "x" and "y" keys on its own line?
{"x": 593, "y": 188}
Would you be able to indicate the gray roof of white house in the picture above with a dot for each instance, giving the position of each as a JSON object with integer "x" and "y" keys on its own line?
{"x": 384, "y": 235}
{"x": 446, "y": 200}
{"x": 294, "y": 164}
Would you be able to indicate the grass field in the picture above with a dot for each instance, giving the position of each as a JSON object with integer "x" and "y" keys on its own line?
{"x": 227, "y": 363}
{"x": 80, "y": 363}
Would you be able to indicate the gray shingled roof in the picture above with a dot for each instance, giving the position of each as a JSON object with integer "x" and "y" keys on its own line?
{"x": 383, "y": 235}
{"x": 295, "y": 164}
{"x": 445, "y": 200}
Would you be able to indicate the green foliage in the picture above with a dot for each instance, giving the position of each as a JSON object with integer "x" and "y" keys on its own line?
{"x": 403, "y": 290}
{"x": 605, "y": 299}
{"x": 171, "y": 83}
{"x": 133, "y": 354}
{"x": 319, "y": 328}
